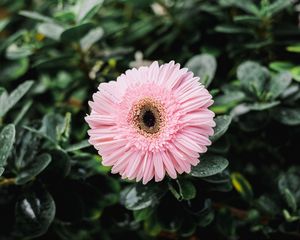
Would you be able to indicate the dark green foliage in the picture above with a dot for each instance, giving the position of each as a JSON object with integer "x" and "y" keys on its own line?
{"x": 53, "y": 56}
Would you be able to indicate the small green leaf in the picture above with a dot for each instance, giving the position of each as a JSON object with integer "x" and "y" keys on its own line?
{"x": 185, "y": 190}
{"x": 203, "y": 66}
{"x": 295, "y": 71}
{"x": 16, "y": 52}
{"x": 209, "y": 165}
{"x": 222, "y": 124}
{"x": 90, "y": 38}
{"x": 294, "y": 48}
{"x": 290, "y": 199}
{"x": 87, "y": 8}
{"x": 78, "y": 146}
{"x": 34, "y": 212}
{"x": 143, "y": 214}
{"x": 7, "y": 139}
{"x": 76, "y": 33}
{"x": 33, "y": 168}
{"x": 50, "y": 30}
{"x": 1, "y": 171}
{"x": 52, "y": 126}
{"x": 253, "y": 77}
{"x": 280, "y": 66}
{"x": 279, "y": 83}
{"x": 35, "y": 16}
{"x": 7, "y": 103}
{"x": 242, "y": 186}
{"x": 288, "y": 116}
{"x": 141, "y": 196}
{"x": 261, "y": 106}
{"x": 277, "y": 6}
{"x": 232, "y": 29}
{"x": 11, "y": 70}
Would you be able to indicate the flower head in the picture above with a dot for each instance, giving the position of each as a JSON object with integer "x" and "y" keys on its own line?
{"x": 151, "y": 121}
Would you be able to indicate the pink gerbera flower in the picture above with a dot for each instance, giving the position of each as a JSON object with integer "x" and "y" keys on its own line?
{"x": 151, "y": 121}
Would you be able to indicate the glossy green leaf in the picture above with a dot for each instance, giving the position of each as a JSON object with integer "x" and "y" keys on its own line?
{"x": 34, "y": 212}
{"x": 222, "y": 125}
{"x": 35, "y": 16}
{"x": 50, "y": 30}
{"x": 279, "y": 83}
{"x": 295, "y": 71}
{"x": 90, "y": 38}
{"x": 183, "y": 189}
{"x": 141, "y": 196}
{"x": 143, "y": 214}
{"x": 76, "y": 33}
{"x": 209, "y": 165}
{"x": 14, "y": 69}
{"x": 203, "y": 66}
{"x": 87, "y": 8}
{"x": 33, "y": 168}
{"x": 7, "y": 139}
{"x": 294, "y": 48}
{"x": 78, "y": 146}
{"x": 288, "y": 116}
{"x": 7, "y": 102}
{"x": 253, "y": 77}
{"x": 1, "y": 171}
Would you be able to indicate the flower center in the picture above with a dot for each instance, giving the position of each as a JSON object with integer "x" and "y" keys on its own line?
{"x": 148, "y": 116}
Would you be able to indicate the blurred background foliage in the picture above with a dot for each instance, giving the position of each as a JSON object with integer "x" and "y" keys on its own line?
{"x": 54, "y": 54}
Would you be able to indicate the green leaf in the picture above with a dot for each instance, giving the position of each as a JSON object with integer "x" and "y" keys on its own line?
{"x": 50, "y": 30}
{"x": 11, "y": 39}
{"x": 8, "y": 102}
{"x": 277, "y": 6}
{"x": 87, "y": 8}
{"x": 35, "y": 16}
{"x": 279, "y": 83}
{"x": 286, "y": 189}
{"x": 290, "y": 199}
{"x": 76, "y": 33}
{"x": 288, "y": 116}
{"x": 295, "y": 71}
{"x": 143, "y": 214}
{"x": 32, "y": 169}
{"x": 12, "y": 70}
{"x": 267, "y": 205}
{"x": 185, "y": 189}
{"x": 3, "y": 24}
{"x": 7, "y": 139}
{"x": 34, "y": 212}
{"x": 206, "y": 215}
{"x": 253, "y": 77}
{"x": 52, "y": 126}
{"x": 242, "y": 186}
{"x": 280, "y": 66}
{"x": 16, "y": 52}
{"x": 90, "y": 38}
{"x": 261, "y": 106}
{"x": 222, "y": 125}
{"x": 1, "y": 171}
{"x": 78, "y": 146}
{"x": 203, "y": 66}
{"x": 294, "y": 48}
{"x": 209, "y": 165}
{"x": 141, "y": 196}
{"x": 232, "y": 29}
